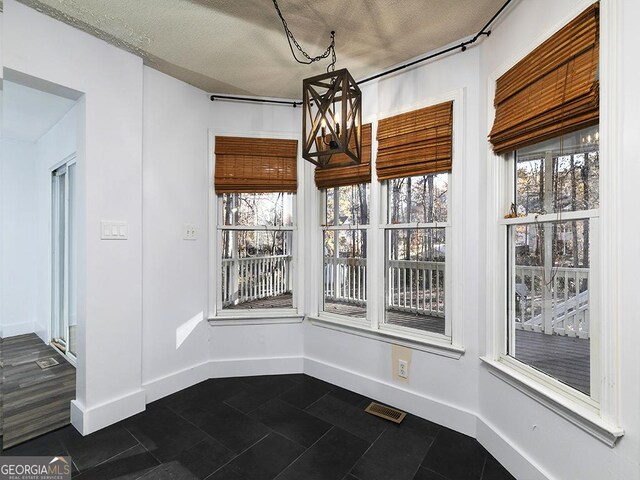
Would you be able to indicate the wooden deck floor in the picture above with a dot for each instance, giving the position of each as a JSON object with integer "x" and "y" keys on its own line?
{"x": 34, "y": 401}
{"x": 278, "y": 301}
{"x": 564, "y": 358}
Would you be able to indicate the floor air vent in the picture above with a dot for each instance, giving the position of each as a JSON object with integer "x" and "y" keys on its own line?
{"x": 385, "y": 412}
{"x": 47, "y": 362}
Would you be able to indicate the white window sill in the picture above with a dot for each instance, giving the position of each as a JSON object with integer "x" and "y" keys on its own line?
{"x": 256, "y": 318}
{"x": 426, "y": 345}
{"x": 580, "y": 416}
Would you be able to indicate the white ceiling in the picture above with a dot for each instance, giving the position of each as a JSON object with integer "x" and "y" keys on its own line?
{"x": 27, "y": 113}
{"x": 239, "y": 47}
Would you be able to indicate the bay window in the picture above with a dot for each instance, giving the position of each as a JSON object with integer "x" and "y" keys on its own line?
{"x": 547, "y": 326}
{"x": 346, "y": 211}
{"x": 256, "y": 250}
{"x": 415, "y": 253}
{"x": 414, "y": 161}
{"x": 255, "y": 183}
{"x": 344, "y": 229}
{"x": 551, "y": 256}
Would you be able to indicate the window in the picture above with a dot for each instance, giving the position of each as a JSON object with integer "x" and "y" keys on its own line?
{"x": 344, "y": 266}
{"x": 256, "y": 250}
{"x": 415, "y": 244}
{"x": 385, "y": 264}
{"x": 551, "y": 256}
{"x": 551, "y": 331}
{"x": 255, "y": 180}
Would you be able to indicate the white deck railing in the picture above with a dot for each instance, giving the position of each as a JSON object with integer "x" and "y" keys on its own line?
{"x": 562, "y": 307}
{"x": 416, "y": 286}
{"x": 252, "y": 278}
{"x": 345, "y": 280}
{"x": 557, "y": 302}
{"x": 413, "y": 286}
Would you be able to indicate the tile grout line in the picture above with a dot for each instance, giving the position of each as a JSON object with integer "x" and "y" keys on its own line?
{"x": 484, "y": 465}
{"x": 243, "y": 451}
{"x": 426, "y": 453}
{"x": 306, "y": 450}
{"x": 110, "y": 458}
{"x": 316, "y": 401}
{"x": 350, "y": 472}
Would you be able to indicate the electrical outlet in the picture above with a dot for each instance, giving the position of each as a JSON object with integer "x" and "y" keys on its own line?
{"x": 403, "y": 368}
{"x": 189, "y": 232}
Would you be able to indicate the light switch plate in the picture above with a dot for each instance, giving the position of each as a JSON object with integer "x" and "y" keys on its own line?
{"x": 110, "y": 230}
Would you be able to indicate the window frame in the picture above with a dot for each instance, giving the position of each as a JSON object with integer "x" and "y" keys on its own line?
{"x": 453, "y": 346}
{"x": 448, "y": 285}
{"x": 589, "y": 402}
{"x": 216, "y": 314}
{"x": 601, "y": 420}
{"x": 361, "y": 322}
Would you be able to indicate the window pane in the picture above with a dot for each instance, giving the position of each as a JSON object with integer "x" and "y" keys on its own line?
{"x": 415, "y": 279}
{"x": 549, "y": 293}
{"x": 418, "y": 199}
{"x": 350, "y": 202}
{"x": 345, "y": 272}
{"x": 559, "y": 175}
{"x": 249, "y": 209}
{"x": 256, "y": 269}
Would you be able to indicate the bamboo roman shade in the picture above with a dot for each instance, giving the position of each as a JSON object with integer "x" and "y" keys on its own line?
{"x": 415, "y": 143}
{"x": 553, "y": 90}
{"x": 348, "y": 175}
{"x": 255, "y": 165}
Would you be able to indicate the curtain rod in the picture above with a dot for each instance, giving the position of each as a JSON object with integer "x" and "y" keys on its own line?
{"x": 462, "y": 46}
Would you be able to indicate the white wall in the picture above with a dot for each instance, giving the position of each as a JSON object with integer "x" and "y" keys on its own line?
{"x": 176, "y": 272}
{"x": 559, "y": 449}
{"x": 18, "y": 265}
{"x": 110, "y": 188}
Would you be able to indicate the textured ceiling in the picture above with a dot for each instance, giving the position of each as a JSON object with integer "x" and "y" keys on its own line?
{"x": 239, "y": 47}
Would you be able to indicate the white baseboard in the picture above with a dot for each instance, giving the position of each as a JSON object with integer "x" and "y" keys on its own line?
{"x": 161, "y": 387}
{"x": 247, "y": 367}
{"x": 239, "y": 367}
{"x": 42, "y": 332}
{"x": 89, "y": 420}
{"x": 15, "y": 329}
{"x": 457, "y": 419}
{"x": 518, "y": 464}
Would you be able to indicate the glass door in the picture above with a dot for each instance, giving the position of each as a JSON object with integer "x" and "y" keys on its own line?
{"x": 63, "y": 305}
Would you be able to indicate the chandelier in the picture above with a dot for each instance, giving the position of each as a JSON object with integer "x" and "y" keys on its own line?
{"x": 331, "y": 109}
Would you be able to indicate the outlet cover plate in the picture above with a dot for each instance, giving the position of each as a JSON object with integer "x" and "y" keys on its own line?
{"x": 403, "y": 368}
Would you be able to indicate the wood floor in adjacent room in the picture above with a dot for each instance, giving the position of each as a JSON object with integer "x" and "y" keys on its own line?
{"x": 35, "y": 401}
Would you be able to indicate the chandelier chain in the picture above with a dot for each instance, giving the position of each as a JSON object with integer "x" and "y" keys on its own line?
{"x": 331, "y": 49}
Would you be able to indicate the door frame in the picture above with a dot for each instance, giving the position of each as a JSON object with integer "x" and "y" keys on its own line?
{"x": 71, "y": 357}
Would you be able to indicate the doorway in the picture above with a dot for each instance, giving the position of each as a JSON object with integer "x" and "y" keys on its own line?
{"x": 39, "y": 178}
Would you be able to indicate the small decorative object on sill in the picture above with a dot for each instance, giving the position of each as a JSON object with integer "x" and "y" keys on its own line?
{"x": 512, "y": 212}
{"x": 331, "y": 109}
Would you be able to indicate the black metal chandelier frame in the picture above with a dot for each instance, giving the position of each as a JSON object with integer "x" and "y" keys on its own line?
{"x": 331, "y": 101}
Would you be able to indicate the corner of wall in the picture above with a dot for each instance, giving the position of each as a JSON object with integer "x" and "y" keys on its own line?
{"x": 89, "y": 420}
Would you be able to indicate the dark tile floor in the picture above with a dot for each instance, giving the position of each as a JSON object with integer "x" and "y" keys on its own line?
{"x": 285, "y": 427}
